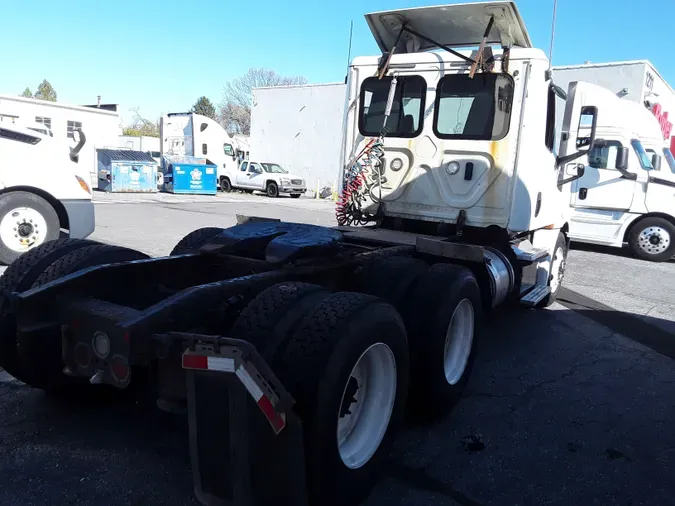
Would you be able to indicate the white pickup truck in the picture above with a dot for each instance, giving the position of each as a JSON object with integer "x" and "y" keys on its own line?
{"x": 267, "y": 177}
{"x": 43, "y": 190}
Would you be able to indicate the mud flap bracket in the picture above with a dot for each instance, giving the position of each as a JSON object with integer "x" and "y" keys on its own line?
{"x": 246, "y": 441}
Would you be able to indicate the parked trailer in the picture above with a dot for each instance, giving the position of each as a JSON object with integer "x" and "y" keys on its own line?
{"x": 296, "y": 349}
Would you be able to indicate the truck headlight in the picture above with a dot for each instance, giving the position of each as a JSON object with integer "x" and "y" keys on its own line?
{"x": 396, "y": 164}
{"x": 285, "y": 181}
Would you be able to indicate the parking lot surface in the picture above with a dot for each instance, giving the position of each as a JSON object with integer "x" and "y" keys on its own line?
{"x": 560, "y": 409}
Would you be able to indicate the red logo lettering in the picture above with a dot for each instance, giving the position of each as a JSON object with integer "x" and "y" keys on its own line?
{"x": 662, "y": 117}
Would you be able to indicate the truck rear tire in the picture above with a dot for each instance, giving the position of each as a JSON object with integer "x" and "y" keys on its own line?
{"x": 268, "y": 320}
{"x": 26, "y": 221}
{"x": 441, "y": 319}
{"x": 40, "y": 356}
{"x": 390, "y": 278}
{"x": 653, "y": 239}
{"x": 192, "y": 242}
{"x": 20, "y": 276}
{"x": 346, "y": 365}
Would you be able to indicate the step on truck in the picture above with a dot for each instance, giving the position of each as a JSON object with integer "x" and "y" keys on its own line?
{"x": 297, "y": 351}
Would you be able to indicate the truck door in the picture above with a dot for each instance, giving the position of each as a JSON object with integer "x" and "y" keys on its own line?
{"x": 602, "y": 186}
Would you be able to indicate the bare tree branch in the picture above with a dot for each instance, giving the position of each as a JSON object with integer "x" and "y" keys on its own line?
{"x": 235, "y": 108}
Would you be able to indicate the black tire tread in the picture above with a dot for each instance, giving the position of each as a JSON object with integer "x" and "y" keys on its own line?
{"x": 308, "y": 348}
{"x": 80, "y": 258}
{"x": 192, "y": 242}
{"x": 266, "y": 321}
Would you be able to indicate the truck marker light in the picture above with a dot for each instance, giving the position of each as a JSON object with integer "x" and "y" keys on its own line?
{"x": 83, "y": 184}
{"x": 452, "y": 168}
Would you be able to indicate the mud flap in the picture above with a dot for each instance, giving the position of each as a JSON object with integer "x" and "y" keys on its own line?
{"x": 246, "y": 442}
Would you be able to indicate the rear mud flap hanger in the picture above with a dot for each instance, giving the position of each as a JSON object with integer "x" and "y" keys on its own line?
{"x": 483, "y": 58}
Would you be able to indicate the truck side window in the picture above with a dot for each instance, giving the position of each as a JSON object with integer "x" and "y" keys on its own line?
{"x": 604, "y": 157}
{"x": 550, "y": 120}
{"x": 473, "y": 109}
{"x": 243, "y": 167}
{"x": 227, "y": 149}
{"x": 406, "y": 117}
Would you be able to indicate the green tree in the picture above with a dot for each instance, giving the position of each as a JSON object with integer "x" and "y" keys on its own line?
{"x": 204, "y": 107}
{"x": 45, "y": 92}
{"x": 235, "y": 108}
{"x": 27, "y": 93}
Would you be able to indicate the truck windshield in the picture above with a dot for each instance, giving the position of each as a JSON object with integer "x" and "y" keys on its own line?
{"x": 670, "y": 159}
{"x": 473, "y": 109}
{"x": 273, "y": 168}
{"x": 405, "y": 119}
{"x": 645, "y": 160}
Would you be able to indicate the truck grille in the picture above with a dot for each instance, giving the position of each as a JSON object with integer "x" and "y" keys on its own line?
{"x": 296, "y": 181}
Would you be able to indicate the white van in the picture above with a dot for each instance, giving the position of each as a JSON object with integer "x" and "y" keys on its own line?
{"x": 622, "y": 197}
{"x": 43, "y": 191}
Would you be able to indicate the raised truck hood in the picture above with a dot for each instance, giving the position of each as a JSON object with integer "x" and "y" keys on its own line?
{"x": 459, "y": 25}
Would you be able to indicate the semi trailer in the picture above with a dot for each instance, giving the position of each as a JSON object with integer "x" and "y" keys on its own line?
{"x": 297, "y": 351}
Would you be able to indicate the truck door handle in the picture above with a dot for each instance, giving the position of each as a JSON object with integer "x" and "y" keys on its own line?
{"x": 583, "y": 192}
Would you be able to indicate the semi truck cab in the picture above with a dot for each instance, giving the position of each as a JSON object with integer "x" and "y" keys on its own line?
{"x": 627, "y": 192}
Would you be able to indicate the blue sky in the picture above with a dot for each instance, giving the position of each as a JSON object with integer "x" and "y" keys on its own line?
{"x": 163, "y": 55}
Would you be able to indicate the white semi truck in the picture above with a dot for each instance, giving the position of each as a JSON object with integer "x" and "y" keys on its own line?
{"x": 627, "y": 192}
{"x": 199, "y": 136}
{"x": 295, "y": 349}
{"x": 44, "y": 191}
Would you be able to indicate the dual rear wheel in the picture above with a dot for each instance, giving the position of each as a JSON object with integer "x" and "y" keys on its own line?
{"x": 355, "y": 361}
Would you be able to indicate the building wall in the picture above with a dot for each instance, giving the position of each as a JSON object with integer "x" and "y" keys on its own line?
{"x": 142, "y": 143}
{"x": 101, "y": 127}
{"x": 300, "y": 127}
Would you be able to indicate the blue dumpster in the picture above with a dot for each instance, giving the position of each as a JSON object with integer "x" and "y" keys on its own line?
{"x": 187, "y": 174}
{"x": 126, "y": 171}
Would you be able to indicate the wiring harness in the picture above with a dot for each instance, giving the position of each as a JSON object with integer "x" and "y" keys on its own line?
{"x": 363, "y": 176}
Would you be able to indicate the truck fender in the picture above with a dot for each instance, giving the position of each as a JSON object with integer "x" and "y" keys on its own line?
{"x": 53, "y": 201}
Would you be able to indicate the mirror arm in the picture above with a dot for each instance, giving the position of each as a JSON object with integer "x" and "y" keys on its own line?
{"x": 568, "y": 158}
{"x": 627, "y": 175}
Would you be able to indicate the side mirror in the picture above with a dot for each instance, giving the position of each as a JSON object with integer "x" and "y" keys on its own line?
{"x": 656, "y": 161}
{"x": 622, "y": 159}
{"x": 588, "y": 122}
{"x": 581, "y": 170}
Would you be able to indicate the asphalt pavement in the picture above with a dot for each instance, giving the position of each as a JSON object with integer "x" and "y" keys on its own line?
{"x": 565, "y": 406}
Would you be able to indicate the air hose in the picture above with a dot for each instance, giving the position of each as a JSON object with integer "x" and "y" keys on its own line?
{"x": 363, "y": 175}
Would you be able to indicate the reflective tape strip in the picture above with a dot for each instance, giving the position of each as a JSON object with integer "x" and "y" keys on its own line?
{"x": 205, "y": 363}
{"x": 250, "y": 385}
{"x": 276, "y": 420}
{"x": 221, "y": 364}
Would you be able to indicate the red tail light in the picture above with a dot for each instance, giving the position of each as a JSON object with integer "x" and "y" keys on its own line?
{"x": 119, "y": 368}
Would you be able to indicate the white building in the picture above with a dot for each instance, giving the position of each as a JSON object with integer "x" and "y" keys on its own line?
{"x": 638, "y": 81}
{"x": 142, "y": 143}
{"x": 101, "y": 125}
{"x": 300, "y": 128}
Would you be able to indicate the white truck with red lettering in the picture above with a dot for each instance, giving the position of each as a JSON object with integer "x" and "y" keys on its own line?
{"x": 627, "y": 192}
